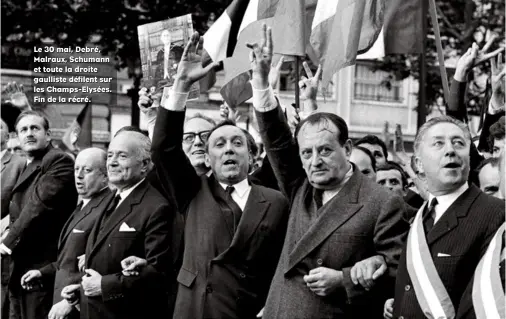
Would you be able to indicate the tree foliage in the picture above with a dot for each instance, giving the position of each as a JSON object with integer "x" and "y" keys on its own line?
{"x": 110, "y": 24}
{"x": 461, "y": 23}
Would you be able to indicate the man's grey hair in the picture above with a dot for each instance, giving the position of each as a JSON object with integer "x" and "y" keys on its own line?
{"x": 144, "y": 144}
{"x": 437, "y": 120}
{"x": 200, "y": 116}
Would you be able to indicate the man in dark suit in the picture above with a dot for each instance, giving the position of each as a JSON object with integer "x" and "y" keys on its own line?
{"x": 41, "y": 201}
{"x": 91, "y": 183}
{"x": 449, "y": 236}
{"x": 234, "y": 230}
{"x": 167, "y": 59}
{"x": 338, "y": 216}
{"x": 11, "y": 166}
{"x": 135, "y": 220}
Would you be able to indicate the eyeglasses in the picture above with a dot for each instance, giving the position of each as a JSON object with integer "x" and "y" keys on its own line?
{"x": 189, "y": 138}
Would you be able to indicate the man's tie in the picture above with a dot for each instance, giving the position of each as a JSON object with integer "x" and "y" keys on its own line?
{"x": 428, "y": 222}
{"x": 318, "y": 198}
{"x": 236, "y": 212}
{"x": 111, "y": 208}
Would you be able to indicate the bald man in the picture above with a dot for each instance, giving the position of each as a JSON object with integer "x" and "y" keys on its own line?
{"x": 91, "y": 183}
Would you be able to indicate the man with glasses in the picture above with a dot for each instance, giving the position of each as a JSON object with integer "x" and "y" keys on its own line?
{"x": 195, "y": 132}
{"x": 195, "y": 135}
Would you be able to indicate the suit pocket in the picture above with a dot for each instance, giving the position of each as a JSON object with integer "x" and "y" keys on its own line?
{"x": 186, "y": 277}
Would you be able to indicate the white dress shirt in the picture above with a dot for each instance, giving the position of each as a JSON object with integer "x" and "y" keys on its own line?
{"x": 125, "y": 192}
{"x": 445, "y": 201}
{"x": 241, "y": 192}
{"x": 329, "y": 194}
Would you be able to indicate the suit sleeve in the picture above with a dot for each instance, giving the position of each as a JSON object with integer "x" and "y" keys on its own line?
{"x": 157, "y": 247}
{"x": 173, "y": 168}
{"x": 48, "y": 270}
{"x": 50, "y": 191}
{"x": 456, "y": 105}
{"x": 390, "y": 234}
{"x": 281, "y": 149}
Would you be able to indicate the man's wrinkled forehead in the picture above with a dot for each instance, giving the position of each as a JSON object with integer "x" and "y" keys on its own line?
{"x": 197, "y": 125}
{"x": 310, "y": 129}
{"x": 227, "y": 132}
{"x": 444, "y": 130}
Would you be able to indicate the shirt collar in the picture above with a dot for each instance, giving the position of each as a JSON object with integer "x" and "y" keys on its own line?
{"x": 445, "y": 201}
{"x": 124, "y": 193}
{"x": 3, "y": 153}
{"x": 240, "y": 188}
{"x": 329, "y": 194}
{"x": 87, "y": 200}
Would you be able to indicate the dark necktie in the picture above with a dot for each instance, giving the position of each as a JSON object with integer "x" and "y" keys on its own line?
{"x": 111, "y": 208}
{"x": 318, "y": 198}
{"x": 430, "y": 213}
{"x": 236, "y": 212}
{"x": 79, "y": 207}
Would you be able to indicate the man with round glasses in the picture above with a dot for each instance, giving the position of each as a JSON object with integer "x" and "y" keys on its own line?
{"x": 196, "y": 133}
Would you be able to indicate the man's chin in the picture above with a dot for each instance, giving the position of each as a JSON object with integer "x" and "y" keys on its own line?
{"x": 198, "y": 160}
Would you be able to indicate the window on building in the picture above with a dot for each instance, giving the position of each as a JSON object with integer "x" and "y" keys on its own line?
{"x": 372, "y": 85}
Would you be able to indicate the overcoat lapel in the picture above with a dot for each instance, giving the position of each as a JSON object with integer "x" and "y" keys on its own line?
{"x": 331, "y": 216}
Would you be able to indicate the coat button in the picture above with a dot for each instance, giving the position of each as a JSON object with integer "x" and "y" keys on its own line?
{"x": 319, "y": 261}
{"x": 209, "y": 289}
{"x": 242, "y": 275}
{"x": 407, "y": 288}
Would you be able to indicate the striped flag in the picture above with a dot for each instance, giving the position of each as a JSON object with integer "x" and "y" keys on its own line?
{"x": 78, "y": 134}
{"x": 221, "y": 39}
{"x": 226, "y": 41}
{"x": 289, "y": 28}
{"x": 341, "y": 30}
{"x": 402, "y": 31}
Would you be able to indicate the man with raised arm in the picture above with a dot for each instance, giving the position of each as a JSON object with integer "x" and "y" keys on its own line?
{"x": 234, "y": 229}
{"x": 339, "y": 219}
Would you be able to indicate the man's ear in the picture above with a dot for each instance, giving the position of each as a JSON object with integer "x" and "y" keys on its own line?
{"x": 207, "y": 160}
{"x": 48, "y": 135}
{"x": 419, "y": 166}
{"x": 348, "y": 147}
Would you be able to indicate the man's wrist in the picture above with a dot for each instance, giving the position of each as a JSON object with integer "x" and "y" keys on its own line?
{"x": 260, "y": 84}
{"x": 460, "y": 76}
{"x": 6, "y": 249}
{"x": 182, "y": 86}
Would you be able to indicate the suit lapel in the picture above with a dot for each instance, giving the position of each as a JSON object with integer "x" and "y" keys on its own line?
{"x": 253, "y": 213}
{"x": 450, "y": 218}
{"x": 219, "y": 194}
{"x": 32, "y": 169}
{"x": 5, "y": 159}
{"x": 78, "y": 216}
{"x": 123, "y": 210}
{"x": 332, "y": 215}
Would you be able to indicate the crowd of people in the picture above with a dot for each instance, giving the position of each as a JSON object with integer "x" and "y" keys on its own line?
{"x": 182, "y": 223}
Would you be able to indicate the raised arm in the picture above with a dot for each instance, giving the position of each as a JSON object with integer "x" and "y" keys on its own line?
{"x": 280, "y": 146}
{"x": 173, "y": 168}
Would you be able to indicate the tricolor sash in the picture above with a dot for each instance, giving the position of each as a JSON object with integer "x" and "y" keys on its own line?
{"x": 429, "y": 289}
{"x": 488, "y": 294}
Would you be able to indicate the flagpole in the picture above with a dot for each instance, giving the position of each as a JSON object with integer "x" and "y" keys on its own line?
{"x": 422, "y": 61}
{"x": 297, "y": 79}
